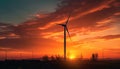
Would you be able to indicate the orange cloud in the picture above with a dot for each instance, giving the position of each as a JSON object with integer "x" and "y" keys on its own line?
{"x": 108, "y": 37}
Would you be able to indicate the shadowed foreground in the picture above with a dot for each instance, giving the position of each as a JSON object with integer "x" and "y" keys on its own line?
{"x": 59, "y": 64}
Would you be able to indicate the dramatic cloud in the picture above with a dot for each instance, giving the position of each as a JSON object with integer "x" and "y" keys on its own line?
{"x": 108, "y": 37}
{"x": 7, "y": 49}
{"x": 5, "y": 28}
{"x": 23, "y": 43}
{"x": 88, "y": 14}
{"x": 105, "y": 37}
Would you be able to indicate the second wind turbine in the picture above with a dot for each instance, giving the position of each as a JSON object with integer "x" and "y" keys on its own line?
{"x": 65, "y": 29}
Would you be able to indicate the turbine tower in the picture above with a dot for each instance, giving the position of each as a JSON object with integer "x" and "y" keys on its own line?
{"x": 65, "y": 29}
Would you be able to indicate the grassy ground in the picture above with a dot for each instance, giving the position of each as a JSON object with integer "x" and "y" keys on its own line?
{"x": 58, "y": 64}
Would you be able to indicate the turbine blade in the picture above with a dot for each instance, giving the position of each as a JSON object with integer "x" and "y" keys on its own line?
{"x": 60, "y": 24}
{"x": 68, "y": 33}
{"x": 68, "y": 19}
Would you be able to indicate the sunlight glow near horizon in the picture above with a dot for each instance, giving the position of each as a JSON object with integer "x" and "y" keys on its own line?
{"x": 72, "y": 57}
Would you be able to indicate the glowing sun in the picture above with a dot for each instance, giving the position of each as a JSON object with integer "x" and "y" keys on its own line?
{"x": 72, "y": 57}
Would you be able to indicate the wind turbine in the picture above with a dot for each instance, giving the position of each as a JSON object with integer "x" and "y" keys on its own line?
{"x": 65, "y": 29}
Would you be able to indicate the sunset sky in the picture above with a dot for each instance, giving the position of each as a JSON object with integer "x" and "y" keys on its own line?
{"x": 31, "y": 25}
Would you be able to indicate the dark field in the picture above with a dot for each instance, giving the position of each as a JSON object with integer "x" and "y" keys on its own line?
{"x": 59, "y": 64}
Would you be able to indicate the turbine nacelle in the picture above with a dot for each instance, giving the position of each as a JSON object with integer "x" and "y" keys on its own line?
{"x": 64, "y": 25}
